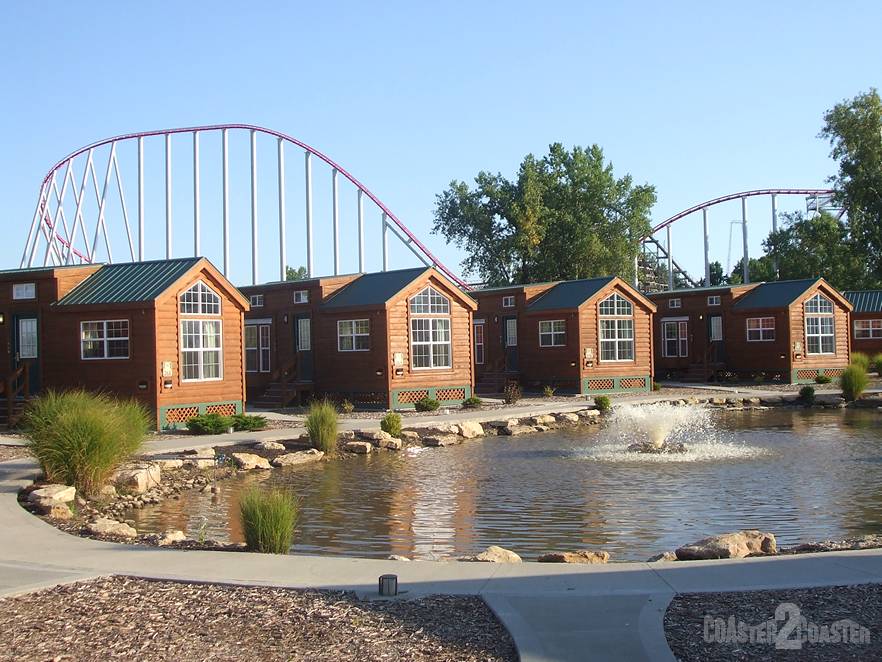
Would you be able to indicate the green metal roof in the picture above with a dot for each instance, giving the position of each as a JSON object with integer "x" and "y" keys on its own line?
{"x": 130, "y": 282}
{"x": 519, "y": 286}
{"x": 373, "y": 289}
{"x": 865, "y": 301}
{"x": 692, "y": 290}
{"x": 46, "y": 269}
{"x": 777, "y": 294}
{"x": 569, "y": 294}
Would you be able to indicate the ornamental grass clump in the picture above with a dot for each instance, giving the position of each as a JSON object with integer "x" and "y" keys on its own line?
{"x": 853, "y": 382}
{"x": 391, "y": 424}
{"x": 877, "y": 363}
{"x": 80, "y": 438}
{"x": 268, "y": 519}
{"x": 861, "y": 360}
{"x": 321, "y": 425}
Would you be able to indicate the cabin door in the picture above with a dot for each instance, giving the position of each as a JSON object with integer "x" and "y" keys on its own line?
{"x": 303, "y": 347}
{"x": 510, "y": 343}
{"x": 716, "y": 346}
{"x": 26, "y": 347}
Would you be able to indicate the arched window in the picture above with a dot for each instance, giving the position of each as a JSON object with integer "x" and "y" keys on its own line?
{"x": 429, "y": 302}
{"x": 616, "y": 329}
{"x": 820, "y": 336}
{"x": 200, "y": 300}
{"x": 201, "y": 339}
{"x": 430, "y": 340}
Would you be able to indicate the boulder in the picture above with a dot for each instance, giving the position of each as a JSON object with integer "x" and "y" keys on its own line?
{"x": 248, "y": 461}
{"x": 300, "y": 457}
{"x": 441, "y": 429}
{"x": 541, "y": 428}
{"x": 169, "y": 462}
{"x": 104, "y": 526}
{"x": 582, "y": 556}
{"x": 55, "y": 510}
{"x": 494, "y": 554}
{"x": 513, "y": 430}
{"x": 205, "y": 451}
{"x": 376, "y": 437}
{"x": 170, "y": 537}
{"x": 442, "y": 440}
{"x": 571, "y": 419}
{"x": 662, "y": 558}
{"x": 771, "y": 400}
{"x": 588, "y": 414}
{"x": 200, "y": 463}
{"x": 735, "y": 545}
{"x": 410, "y": 437}
{"x": 507, "y": 423}
{"x": 829, "y": 399}
{"x": 269, "y": 446}
{"x": 138, "y": 477}
{"x": 107, "y": 491}
{"x": 718, "y": 401}
{"x": 342, "y": 435}
{"x": 358, "y": 447}
{"x": 471, "y": 429}
{"x": 542, "y": 419}
{"x": 397, "y": 557}
{"x": 391, "y": 444}
{"x": 53, "y": 494}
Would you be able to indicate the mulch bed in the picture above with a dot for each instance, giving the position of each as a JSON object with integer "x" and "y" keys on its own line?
{"x": 136, "y": 619}
{"x": 691, "y": 637}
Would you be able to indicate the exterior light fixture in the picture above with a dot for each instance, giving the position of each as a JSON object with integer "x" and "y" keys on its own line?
{"x": 388, "y": 585}
{"x": 379, "y": 372}
{"x": 285, "y": 318}
{"x": 2, "y": 318}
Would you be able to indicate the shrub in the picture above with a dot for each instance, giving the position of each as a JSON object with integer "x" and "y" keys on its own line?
{"x": 602, "y": 403}
{"x": 861, "y": 360}
{"x": 807, "y": 394}
{"x": 246, "y": 423}
{"x": 472, "y": 402}
{"x": 346, "y": 406}
{"x": 210, "y": 424}
{"x": 80, "y": 438}
{"x": 426, "y": 404}
{"x": 391, "y": 424}
{"x": 548, "y": 391}
{"x": 268, "y": 519}
{"x": 853, "y": 381}
{"x": 321, "y": 424}
{"x": 877, "y": 363}
{"x": 656, "y": 386}
{"x": 823, "y": 379}
{"x": 512, "y": 393}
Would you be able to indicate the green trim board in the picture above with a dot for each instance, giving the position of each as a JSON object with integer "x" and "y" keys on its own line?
{"x": 617, "y": 385}
{"x": 794, "y": 379}
{"x": 201, "y": 406}
{"x": 395, "y": 393}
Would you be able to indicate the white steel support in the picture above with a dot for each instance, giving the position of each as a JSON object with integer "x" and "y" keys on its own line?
{"x": 122, "y": 202}
{"x": 168, "y": 196}
{"x": 308, "y": 168}
{"x": 254, "y": 252}
{"x": 282, "y": 258}
{"x": 34, "y": 222}
{"x": 101, "y": 205}
{"x": 385, "y": 243}
{"x": 775, "y": 228}
{"x": 707, "y": 280}
{"x": 225, "y": 153}
{"x": 636, "y": 280}
{"x": 745, "y": 261}
{"x": 79, "y": 222}
{"x": 407, "y": 241}
{"x": 360, "y": 231}
{"x": 141, "y": 199}
{"x": 335, "y": 188}
{"x": 196, "y": 242}
{"x": 670, "y": 250}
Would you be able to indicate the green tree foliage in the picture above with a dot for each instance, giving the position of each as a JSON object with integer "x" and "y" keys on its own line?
{"x": 760, "y": 269}
{"x": 854, "y": 129}
{"x": 565, "y": 216}
{"x": 295, "y": 274}
{"x": 716, "y": 274}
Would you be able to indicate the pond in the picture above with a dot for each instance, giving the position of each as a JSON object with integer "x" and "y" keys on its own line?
{"x": 804, "y": 475}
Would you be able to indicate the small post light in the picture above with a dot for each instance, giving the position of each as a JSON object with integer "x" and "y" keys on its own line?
{"x": 2, "y": 318}
{"x": 388, "y": 585}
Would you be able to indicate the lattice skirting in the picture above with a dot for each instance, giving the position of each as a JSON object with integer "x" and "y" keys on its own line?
{"x": 807, "y": 375}
{"x": 176, "y": 416}
{"x": 599, "y": 385}
{"x": 404, "y": 398}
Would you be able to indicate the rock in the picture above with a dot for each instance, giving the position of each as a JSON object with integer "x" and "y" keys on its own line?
{"x": 138, "y": 477}
{"x": 170, "y": 537}
{"x": 542, "y": 419}
{"x": 718, "y": 401}
{"x": 541, "y": 428}
{"x": 826, "y": 399}
{"x": 397, "y": 557}
{"x": 376, "y": 437}
{"x": 494, "y": 554}
{"x": 391, "y": 444}
{"x": 507, "y": 423}
{"x": 107, "y": 491}
{"x": 202, "y": 452}
{"x": 471, "y": 429}
{"x": 53, "y": 494}
{"x": 513, "y": 430}
{"x": 201, "y": 463}
{"x": 663, "y": 557}
{"x": 442, "y": 440}
{"x": 752, "y": 401}
{"x": 410, "y": 437}
{"x": 441, "y": 429}
{"x": 300, "y": 457}
{"x": 568, "y": 418}
{"x": 169, "y": 462}
{"x": 108, "y": 527}
{"x": 582, "y": 556}
{"x": 343, "y": 435}
{"x": 588, "y": 414}
{"x": 250, "y": 461}
{"x": 56, "y": 510}
{"x": 269, "y": 446}
{"x": 358, "y": 447}
{"x": 734, "y": 545}
{"x": 771, "y": 400}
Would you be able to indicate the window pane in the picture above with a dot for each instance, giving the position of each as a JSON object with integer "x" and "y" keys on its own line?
{"x": 421, "y": 356}
{"x": 211, "y": 364}
{"x": 362, "y": 342}
{"x": 441, "y": 355}
{"x": 250, "y": 336}
{"x": 117, "y": 348}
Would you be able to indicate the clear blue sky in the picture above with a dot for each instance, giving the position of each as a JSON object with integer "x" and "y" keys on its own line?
{"x": 698, "y": 99}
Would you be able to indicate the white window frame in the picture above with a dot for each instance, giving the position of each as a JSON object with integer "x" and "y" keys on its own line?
{"x": 764, "y": 332}
{"x": 714, "y": 337}
{"x": 436, "y": 324}
{"x": 675, "y": 303}
{"x": 511, "y": 339}
{"x": 479, "y": 346}
{"x": 36, "y": 350}
{"x": 255, "y": 300}
{"x": 619, "y": 311}
{"x": 714, "y": 300}
{"x": 262, "y": 349}
{"x": 508, "y": 301}
{"x": 819, "y": 308}
{"x": 301, "y": 296}
{"x": 201, "y": 351}
{"x": 304, "y": 340}
{"x": 30, "y": 291}
{"x": 556, "y": 336}
{"x": 353, "y": 335}
{"x": 873, "y": 329}
{"x": 429, "y": 301}
{"x": 682, "y": 339}
{"x": 104, "y": 340}
{"x": 205, "y": 302}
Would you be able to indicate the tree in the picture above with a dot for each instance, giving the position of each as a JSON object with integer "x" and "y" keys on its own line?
{"x": 566, "y": 216}
{"x": 716, "y": 275}
{"x": 295, "y": 274}
{"x": 854, "y": 129}
{"x": 760, "y": 270}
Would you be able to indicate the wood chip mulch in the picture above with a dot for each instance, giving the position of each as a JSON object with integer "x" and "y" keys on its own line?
{"x": 135, "y": 619}
{"x": 832, "y": 623}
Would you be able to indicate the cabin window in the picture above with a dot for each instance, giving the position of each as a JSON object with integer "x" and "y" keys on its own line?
{"x": 675, "y": 303}
{"x": 104, "y": 339}
{"x": 429, "y": 302}
{"x": 200, "y": 300}
{"x": 353, "y": 335}
{"x": 24, "y": 291}
{"x": 304, "y": 334}
{"x": 552, "y": 333}
{"x": 616, "y": 329}
{"x": 819, "y": 330}
{"x": 257, "y": 347}
{"x": 713, "y": 300}
{"x": 675, "y": 339}
{"x": 867, "y": 329}
{"x": 760, "y": 329}
{"x": 716, "y": 328}
{"x": 256, "y": 300}
{"x": 430, "y": 342}
{"x": 479, "y": 343}
{"x": 201, "y": 350}
{"x": 508, "y": 302}
{"x": 301, "y": 296}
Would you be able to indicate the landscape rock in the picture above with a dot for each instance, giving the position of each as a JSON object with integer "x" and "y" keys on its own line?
{"x": 138, "y": 477}
{"x": 397, "y": 557}
{"x": 513, "y": 430}
{"x": 735, "y": 545}
{"x": 269, "y": 446}
{"x": 441, "y": 429}
{"x": 410, "y": 437}
{"x": 107, "y": 491}
{"x": 588, "y": 414}
{"x": 205, "y": 451}
{"x": 343, "y": 435}
{"x": 53, "y": 494}
{"x": 662, "y": 558}
{"x": 248, "y": 461}
{"x": 104, "y": 526}
{"x": 56, "y": 510}
{"x": 582, "y": 556}
{"x": 442, "y": 440}
{"x": 771, "y": 400}
{"x": 169, "y": 462}
{"x": 170, "y": 537}
{"x": 358, "y": 447}
{"x": 568, "y": 418}
{"x": 471, "y": 429}
{"x": 200, "y": 463}
{"x": 542, "y": 419}
{"x": 652, "y": 449}
{"x": 391, "y": 444}
{"x": 376, "y": 437}
{"x": 507, "y": 423}
{"x": 494, "y": 554}
{"x": 300, "y": 457}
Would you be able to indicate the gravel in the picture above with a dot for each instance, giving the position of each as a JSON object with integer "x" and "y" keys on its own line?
{"x": 686, "y": 635}
{"x": 135, "y": 619}
{"x": 13, "y": 453}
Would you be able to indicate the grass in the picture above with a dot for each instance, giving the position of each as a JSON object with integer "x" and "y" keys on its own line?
{"x": 853, "y": 382}
{"x": 602, "y": 403}
{"x": 210, "y": 424}
{"x": 268, "y": 519}
{"x": 321, "y": 425}
{"x": 346, "y": 406}
{"x": 877, "y": 363}
{"x": 391, "y": 424}
{"x": 426, "y": 404}
{"x": 80, "y": 438}
{"x": 548, "y": 391}
{"x": 861, "y": 360}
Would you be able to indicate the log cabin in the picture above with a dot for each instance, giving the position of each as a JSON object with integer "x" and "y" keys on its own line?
{"x": 590, "y": 336}
{"x": 385, "y": 339}
{"x": 167, "y": 333}
{"x": 866, "y": 321}
{"x": 787, "y": 331}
